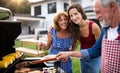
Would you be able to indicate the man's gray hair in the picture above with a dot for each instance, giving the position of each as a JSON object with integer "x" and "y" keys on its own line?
{"x": 105, "y": 3}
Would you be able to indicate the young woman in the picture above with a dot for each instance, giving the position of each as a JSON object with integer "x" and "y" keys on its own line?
{"x": 59, "y": 39}
{"x": 86, "y": 32}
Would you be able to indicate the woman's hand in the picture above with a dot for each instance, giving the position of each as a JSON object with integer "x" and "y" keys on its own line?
{"x": 42, "y": 45}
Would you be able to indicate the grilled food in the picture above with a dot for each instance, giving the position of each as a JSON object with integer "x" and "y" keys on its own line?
{"x": 4, "y": 64}
{"x": 9, "y": 59}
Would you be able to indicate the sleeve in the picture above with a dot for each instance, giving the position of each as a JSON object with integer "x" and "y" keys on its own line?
{"x": 95, "y": 50}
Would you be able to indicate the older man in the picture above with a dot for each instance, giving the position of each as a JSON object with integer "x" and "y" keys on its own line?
{"x": 108, "y": 44}
{"x": 108, "y": 13}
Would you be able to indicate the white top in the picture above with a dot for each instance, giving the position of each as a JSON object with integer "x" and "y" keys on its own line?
{"x": 112, "y": 33}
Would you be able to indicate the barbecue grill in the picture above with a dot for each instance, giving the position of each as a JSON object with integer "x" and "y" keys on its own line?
{"x": 9, "y": 31}
{"x": 40, "y": 67}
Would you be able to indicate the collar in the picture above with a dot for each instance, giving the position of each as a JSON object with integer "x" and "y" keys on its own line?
{"x": 118, "y": 28}
{"x": 106, "y": 29}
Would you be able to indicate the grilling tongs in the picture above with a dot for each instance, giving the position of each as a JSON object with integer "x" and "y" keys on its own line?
{"x": 27, "y": 63}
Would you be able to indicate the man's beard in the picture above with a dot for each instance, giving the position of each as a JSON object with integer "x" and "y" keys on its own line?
{"x": 103, "y": 23}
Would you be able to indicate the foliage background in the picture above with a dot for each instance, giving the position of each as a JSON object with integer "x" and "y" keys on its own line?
{"x": 22, "y": 7}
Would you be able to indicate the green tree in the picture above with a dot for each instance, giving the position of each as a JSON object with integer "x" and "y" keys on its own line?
{"x": 24, "y": 7}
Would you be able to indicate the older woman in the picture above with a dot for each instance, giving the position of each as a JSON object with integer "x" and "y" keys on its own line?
{"x": 59, "y": 39}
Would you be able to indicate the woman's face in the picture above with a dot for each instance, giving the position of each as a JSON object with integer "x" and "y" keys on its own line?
{"x": 75, "y": 16}
{"x": 63, "y": 22}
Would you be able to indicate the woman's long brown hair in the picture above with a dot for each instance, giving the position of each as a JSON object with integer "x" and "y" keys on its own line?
{"x": 74, "y": 28}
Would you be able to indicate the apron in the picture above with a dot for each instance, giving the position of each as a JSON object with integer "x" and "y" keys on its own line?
{"x": 110, "y": 62}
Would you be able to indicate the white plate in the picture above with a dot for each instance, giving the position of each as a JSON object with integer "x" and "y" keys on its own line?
{"x": 50, "y": 56}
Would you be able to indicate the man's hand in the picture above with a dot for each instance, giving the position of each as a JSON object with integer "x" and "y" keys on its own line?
{"x": 63, "y": 56}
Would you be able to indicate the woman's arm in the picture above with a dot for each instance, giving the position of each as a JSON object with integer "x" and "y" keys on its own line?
{"x": 96, "y": 30}
{"x": 47, "y": 45}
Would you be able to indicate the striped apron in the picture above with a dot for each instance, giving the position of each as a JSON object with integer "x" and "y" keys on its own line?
{"x": 110, "y": 62}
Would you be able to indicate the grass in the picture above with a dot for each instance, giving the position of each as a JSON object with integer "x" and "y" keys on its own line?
{"x": 75, "y": 61}
{"x": 76, "y": 65}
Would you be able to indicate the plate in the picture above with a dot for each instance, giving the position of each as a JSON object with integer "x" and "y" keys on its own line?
{"x": 50, "y": 63}
{"x": 50, "y": 56}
